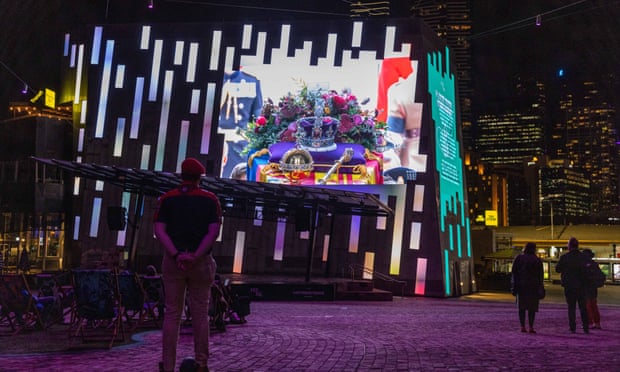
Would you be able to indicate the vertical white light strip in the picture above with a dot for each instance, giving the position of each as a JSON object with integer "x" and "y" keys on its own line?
{"x": 145, "y": 38}
{"x": 99, "y": 185}
{"x": 163, "y": 121}
{"x": 83, "y": 112}
{"x": 206, "y": 122}
{"x": 95, "y": 217}
{"x": 73, "y": 55}
{"x": 330, "y": 55}
{"x": 65, "y": 49}
{"x": 418, "y": 198}
{"x": 369, "y": 265}
{"x": 76, "y": 227}
{"x": 219, "y": 235}
{"x": 229, "y": 59}
{"x": 76, "y": 186}
{"x": 94, "y": 57}
{"x": 192, "y": 61}
{"x": 195, "y": 101}
{"x": 120, "y": 76}
{"x": 118, "y": 140}
{"x": 381, "y": 220}
{"x": 155, "y": 67}
{"x": 146, "y": 157}
{"x": 354, "y": 235}
{"x": 80, "y": 144}
{"x": 381, "y": 223}
{"x": 400, "y": 191}
{"x": 78, "y": 75}
{"x": 356, "y": 41}
{"x": 105, "y": 88}
{"x": 239, "y": 252}
{"x": 137, "y": 108}
{"x": 325, "y": 248}
{"x": 215, "y": 50}
{"x": 278, "y": 248}
{"x": 420, "y": 276}
{"x": 77, "y": 180}
{"x": 183, "y": 138}
{"x": 390, "y": 33}
{"x": 178, "y": 53}
{"x": 247, "y": 37}
{"x": 258, "y": 212}
{"x": 416, "y": 231}
{"x": 122, "y": 234}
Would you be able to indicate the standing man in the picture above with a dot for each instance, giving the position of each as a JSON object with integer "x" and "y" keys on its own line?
{"x": 571, "y": 266}
{"x": 187, "y": 223}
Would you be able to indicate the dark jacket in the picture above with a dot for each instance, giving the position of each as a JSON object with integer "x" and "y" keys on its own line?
{"x": 527, "y": 278}
{"x": 571, "y": 267}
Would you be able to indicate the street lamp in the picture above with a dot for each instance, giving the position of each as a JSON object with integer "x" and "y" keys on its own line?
{"x": 550, "y": 198}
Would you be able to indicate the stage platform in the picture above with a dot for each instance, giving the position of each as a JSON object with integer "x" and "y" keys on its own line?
{"x": 294, "y": 288}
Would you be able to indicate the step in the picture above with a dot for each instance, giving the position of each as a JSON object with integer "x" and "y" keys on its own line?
{"x": 356, "y": 286}
{"x": 373, "y": 295}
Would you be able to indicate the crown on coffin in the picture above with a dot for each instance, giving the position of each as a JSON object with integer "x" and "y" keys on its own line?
{"x": 317, "y": 133}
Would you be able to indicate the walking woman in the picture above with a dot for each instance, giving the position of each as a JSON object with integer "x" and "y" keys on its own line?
{"x": 527, "y": 284}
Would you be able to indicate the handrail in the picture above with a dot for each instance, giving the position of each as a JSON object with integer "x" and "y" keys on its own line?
{"x": 377, "y": 275}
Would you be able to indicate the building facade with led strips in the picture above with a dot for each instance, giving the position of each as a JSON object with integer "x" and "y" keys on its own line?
{"x": 147, "y": 96}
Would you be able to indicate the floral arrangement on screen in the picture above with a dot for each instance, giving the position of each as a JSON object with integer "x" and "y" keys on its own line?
{"x": 278, "y": 122}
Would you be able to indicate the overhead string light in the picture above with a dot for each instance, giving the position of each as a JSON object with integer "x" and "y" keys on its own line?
{"x": 150, "y": 4}
{"x": 560, "y": 12}
{"x": 26, "y": 87}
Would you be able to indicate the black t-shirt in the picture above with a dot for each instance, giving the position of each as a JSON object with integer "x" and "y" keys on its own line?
{"x": 187, "y": 212}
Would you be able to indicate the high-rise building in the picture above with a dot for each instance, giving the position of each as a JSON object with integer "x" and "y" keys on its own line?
{"x": 564, "y": 193}
{"x": 585, "y": 135}
{"x": 509, "y": 138}
{"x": 451, "y": 20}
{"x": 508, "y": 143}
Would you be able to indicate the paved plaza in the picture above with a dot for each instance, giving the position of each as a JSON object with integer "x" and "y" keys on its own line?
{"x": 479, "y": 332}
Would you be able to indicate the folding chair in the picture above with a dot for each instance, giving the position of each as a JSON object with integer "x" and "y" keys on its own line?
{"x": 218, "y": 308}
{"x": 49, "y": 299}
{"x": 154, "y": 290}
{"x": 18, "y": 305}
{"x": 64, "y": 283}
{"x": 136, "y": 307}
{"x": 98, "y": 307}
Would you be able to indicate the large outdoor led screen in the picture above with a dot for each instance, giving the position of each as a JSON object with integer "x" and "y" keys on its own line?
{"x": 359, "y": 80}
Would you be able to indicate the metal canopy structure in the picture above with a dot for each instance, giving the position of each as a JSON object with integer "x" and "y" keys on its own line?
{"x": 238, "y": 197}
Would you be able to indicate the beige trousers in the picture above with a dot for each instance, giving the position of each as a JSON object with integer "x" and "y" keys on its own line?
{"x": 196, "y": 281}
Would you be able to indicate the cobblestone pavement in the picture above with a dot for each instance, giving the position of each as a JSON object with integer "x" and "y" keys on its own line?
{"x": 473, "y": 333}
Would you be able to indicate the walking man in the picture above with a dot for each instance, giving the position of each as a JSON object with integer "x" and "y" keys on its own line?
{"x": 571, "y": 266}
{"x": 187, "y": 223}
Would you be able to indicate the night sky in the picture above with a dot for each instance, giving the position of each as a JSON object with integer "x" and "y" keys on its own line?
{"x": 581, "y": 37}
